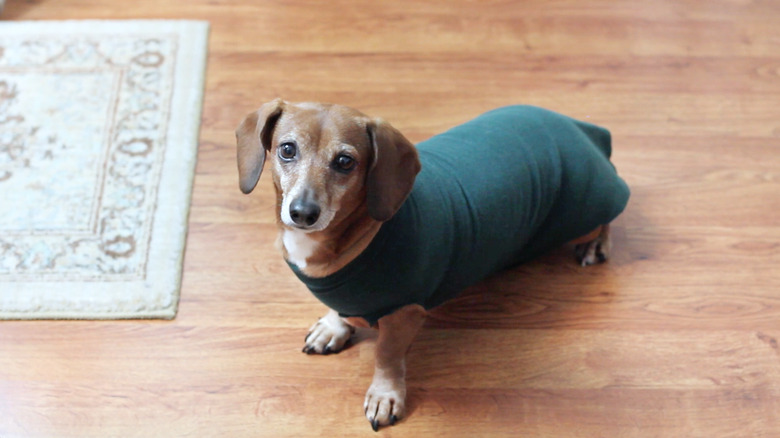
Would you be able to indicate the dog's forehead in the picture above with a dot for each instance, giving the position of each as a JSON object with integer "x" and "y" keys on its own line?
{"x": 322, "y": 123}
{"x": 343, "y": 124}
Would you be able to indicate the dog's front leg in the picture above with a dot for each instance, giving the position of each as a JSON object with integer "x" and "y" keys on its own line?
{"x": 385, "y": 399}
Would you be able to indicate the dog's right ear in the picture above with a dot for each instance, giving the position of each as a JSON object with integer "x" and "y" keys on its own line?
{"x": 253, "y": 137}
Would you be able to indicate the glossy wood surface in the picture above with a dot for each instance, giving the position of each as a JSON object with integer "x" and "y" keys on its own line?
{"x": 676, "y": 337}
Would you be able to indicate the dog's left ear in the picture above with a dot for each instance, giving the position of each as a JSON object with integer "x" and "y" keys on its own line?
{"x": 392, "y": 173}
{"x": 253, "y": 138}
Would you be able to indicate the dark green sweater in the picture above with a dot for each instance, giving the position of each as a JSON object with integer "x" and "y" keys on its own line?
{"x": 494, "y": 192}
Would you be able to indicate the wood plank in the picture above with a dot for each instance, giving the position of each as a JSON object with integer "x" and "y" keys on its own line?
{"x": 535, "y": 380}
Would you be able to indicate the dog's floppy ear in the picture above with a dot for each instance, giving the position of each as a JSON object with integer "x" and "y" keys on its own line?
{"x": 253, "y": 137}
{"x": 391, "y": 176}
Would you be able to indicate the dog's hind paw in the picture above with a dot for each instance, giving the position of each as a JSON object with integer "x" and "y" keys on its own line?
{"x": 328, "y": 335}
{"x": 596, "y": 251}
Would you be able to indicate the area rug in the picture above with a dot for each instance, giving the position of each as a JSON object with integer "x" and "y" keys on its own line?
{"x": 99, "y": 125}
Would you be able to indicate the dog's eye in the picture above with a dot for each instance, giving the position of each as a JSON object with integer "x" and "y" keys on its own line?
{"x": 287, "y": 151}
{"x": 344, "y": 163}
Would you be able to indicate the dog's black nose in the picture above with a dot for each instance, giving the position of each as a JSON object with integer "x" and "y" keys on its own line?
{"x": 304, "y": 212}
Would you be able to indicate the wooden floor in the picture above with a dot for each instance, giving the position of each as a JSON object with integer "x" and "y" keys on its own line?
{"x": 676, "y": 337}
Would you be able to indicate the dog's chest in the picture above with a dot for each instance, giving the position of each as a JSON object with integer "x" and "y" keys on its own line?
{"x": 299, "y": 247}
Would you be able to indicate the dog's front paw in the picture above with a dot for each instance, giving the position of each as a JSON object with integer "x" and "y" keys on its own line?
{"x": 328, "y": 335}
{"x": 384, "y": 404}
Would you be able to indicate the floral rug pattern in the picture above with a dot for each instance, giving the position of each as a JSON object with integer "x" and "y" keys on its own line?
{"x": 88, "y": 112}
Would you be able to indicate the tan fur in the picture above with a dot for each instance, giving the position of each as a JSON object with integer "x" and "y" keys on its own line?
{"x": 588, "y": 237}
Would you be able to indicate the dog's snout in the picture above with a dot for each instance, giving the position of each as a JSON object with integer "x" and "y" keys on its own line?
{"x": 304, "y": 212}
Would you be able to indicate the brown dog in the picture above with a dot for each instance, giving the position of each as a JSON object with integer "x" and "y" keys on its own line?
{"x": 339, "y": 177}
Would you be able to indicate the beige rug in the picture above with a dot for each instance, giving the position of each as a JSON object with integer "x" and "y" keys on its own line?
{"x": 99, "y": 126}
